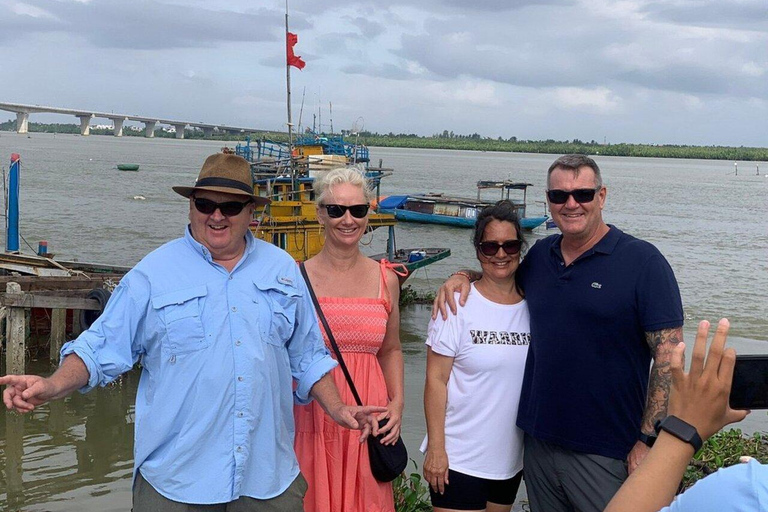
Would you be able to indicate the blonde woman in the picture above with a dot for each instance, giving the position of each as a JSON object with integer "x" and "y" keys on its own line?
{"x": 359, "y": 297}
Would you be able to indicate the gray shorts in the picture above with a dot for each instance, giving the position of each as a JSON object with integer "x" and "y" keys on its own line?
{"x": 561, "y": 480}
{"x": 147, "y": 499}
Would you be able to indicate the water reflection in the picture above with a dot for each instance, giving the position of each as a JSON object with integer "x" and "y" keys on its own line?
{"x": 82, "y": 444}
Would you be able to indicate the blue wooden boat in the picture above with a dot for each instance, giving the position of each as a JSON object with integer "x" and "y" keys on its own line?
{"x": 457, "y": 211}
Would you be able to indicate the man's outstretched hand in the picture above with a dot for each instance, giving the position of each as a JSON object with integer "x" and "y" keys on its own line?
{"x": 355, "y": 417}
{"x": 23, "y": 393}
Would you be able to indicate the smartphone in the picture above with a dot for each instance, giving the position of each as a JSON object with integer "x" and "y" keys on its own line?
{"x": 750, "y": 383}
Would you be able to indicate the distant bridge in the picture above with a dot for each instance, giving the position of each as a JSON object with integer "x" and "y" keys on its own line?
{"x": 22, "y": 120}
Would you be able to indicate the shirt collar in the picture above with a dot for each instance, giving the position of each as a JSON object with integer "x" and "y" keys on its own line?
{"x": 605, "y": 245}
{"x": 200, "y": 249}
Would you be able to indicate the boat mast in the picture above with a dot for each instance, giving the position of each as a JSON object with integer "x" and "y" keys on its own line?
{"x": 288, "y": 96}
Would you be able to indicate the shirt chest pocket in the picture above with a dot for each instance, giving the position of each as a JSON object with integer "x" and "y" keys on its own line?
{"x": 278, "y": 310}
{"x": 180, "y": 311}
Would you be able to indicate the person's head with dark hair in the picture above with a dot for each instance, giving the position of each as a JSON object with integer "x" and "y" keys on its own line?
{"x": 498, "y": 241}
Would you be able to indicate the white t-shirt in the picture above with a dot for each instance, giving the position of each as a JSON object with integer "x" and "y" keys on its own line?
{"x": 489, "y": 343}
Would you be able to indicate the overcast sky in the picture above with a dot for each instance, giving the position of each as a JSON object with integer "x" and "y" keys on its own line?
{"x": 667, "y": 71}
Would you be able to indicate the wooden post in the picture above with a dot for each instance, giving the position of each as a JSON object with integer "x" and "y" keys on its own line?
{"x": 3, "y": 315}
{"x": 14, "y": 334}
{"x": 58, "y": 333}
{"x": 76, "y": 327}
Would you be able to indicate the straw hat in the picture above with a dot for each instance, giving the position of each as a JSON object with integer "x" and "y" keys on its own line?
{"x": 226, "y": 173}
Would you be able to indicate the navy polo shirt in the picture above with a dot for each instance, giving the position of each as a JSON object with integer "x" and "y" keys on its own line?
{"x": 586, "y": 376}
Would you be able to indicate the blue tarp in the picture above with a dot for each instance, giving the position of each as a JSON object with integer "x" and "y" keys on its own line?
{"x": 392, "y": 202}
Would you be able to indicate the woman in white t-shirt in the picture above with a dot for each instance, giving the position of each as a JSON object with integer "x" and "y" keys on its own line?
{"x": 475, "y": 363}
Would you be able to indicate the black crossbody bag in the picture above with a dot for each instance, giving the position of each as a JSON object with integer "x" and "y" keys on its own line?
{"x": 387, "y": 461}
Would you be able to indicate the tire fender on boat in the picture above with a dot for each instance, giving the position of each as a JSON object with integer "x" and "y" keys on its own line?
{"x": 88, "y": 316}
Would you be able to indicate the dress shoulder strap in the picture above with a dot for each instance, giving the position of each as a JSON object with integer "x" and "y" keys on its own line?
{"x": 397, "y": 268}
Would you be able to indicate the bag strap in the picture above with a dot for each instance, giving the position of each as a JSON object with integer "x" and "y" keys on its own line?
{"x": 330, "y": 334}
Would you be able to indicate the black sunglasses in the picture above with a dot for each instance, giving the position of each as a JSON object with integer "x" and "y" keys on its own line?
{"x": 580, "y": 195}
{"x": 491, "y": 248}
{"x": 228, "y": 209}
{"x": 336, "y": 211}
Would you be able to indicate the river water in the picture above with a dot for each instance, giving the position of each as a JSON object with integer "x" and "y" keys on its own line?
{"x": 76, "y": 454}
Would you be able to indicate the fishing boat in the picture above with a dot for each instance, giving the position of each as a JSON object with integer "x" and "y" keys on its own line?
{"x": 127, "y": 167}
{"x": 310, "y": 154}
{"x": 436, "y": 208}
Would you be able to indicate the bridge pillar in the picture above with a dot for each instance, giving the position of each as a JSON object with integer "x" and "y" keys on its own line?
{"x": 180, "y": 130}
{"x": 149, "y": 129}
{"x": 85, "y": 124}
{"x": 208, "y": 132}
{"x": 22, "y": 122}
{"x": 118, "y": 125}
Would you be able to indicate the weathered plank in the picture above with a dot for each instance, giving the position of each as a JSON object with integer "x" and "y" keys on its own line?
{"x": 36, "y": 283}
{"x": 29, "y": 300}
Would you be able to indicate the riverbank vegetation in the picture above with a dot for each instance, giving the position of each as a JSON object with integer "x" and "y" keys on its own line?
{"x": 450, "y": 140}
{"x": 475, "y": 142}
{"x": 722, "y": 450}
{"x": 410, "y": 296}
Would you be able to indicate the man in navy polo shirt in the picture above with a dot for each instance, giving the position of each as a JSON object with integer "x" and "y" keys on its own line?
{"x": 603, "y": 305}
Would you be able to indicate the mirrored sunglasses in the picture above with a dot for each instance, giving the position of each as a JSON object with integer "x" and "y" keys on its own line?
{"x": 228, "y": 209}
{"x": 336, "y": 211}
{"x": 491, "y": 248}
{"x": 580, "y": 195}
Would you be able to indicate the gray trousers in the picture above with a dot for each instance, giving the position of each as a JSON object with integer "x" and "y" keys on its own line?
{"x": 561, "y": 480}
{"x": 147, "y": 499}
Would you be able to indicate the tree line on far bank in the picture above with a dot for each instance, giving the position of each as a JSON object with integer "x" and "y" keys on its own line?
{"x": 476, "y": 142}
{"x": 472, "y": 142}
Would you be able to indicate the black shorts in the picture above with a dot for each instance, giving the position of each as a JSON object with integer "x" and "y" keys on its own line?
{"x": 472, "y": 493}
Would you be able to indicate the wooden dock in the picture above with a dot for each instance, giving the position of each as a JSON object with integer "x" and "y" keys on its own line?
{"x": 40, "y": 290}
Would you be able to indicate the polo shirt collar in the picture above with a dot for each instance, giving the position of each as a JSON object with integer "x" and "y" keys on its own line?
{"x": 605, "y": 245}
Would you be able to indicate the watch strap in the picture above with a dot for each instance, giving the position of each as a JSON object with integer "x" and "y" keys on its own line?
{"x": 647, "y": 439}
{"x": 676, "y": 427}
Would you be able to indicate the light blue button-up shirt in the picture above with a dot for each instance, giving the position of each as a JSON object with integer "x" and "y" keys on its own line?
{"x": 220, "y": 352}
{"x": 739, "y": 488}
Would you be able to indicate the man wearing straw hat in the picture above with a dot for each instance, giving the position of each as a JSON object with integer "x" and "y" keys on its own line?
{"x": 223, "y": 326}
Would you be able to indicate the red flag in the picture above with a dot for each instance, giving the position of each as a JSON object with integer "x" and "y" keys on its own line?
{"x": 293, "y": 60}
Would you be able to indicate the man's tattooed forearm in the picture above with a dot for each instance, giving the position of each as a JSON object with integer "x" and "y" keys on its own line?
{"x": 661, "y": 343}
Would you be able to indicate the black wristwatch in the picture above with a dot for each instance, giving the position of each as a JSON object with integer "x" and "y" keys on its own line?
{"x": 681, "y": 430}
{"x": 646, "y": 439}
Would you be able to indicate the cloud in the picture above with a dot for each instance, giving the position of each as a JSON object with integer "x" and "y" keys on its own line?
{"x": 464, "y": 92}
{"x": 368, "y": 28}
{"x": 631, "y": 70}
{"x": 600, "y": 99}
{"x": 746, "y": 14}
{"x": 141, "y": 24}
{"x": 541, "y": 51}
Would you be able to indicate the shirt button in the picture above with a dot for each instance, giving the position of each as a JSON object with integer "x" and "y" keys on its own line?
{"x": 240, "y": 379}
{"x": 234, "y": 309}
{"x": 238, "y": 343}
{"x": 562, "y": 263}
{"x": 239, "y": 448}
{"x": 230, "y": 277}
{"x": 240, "y": 415}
